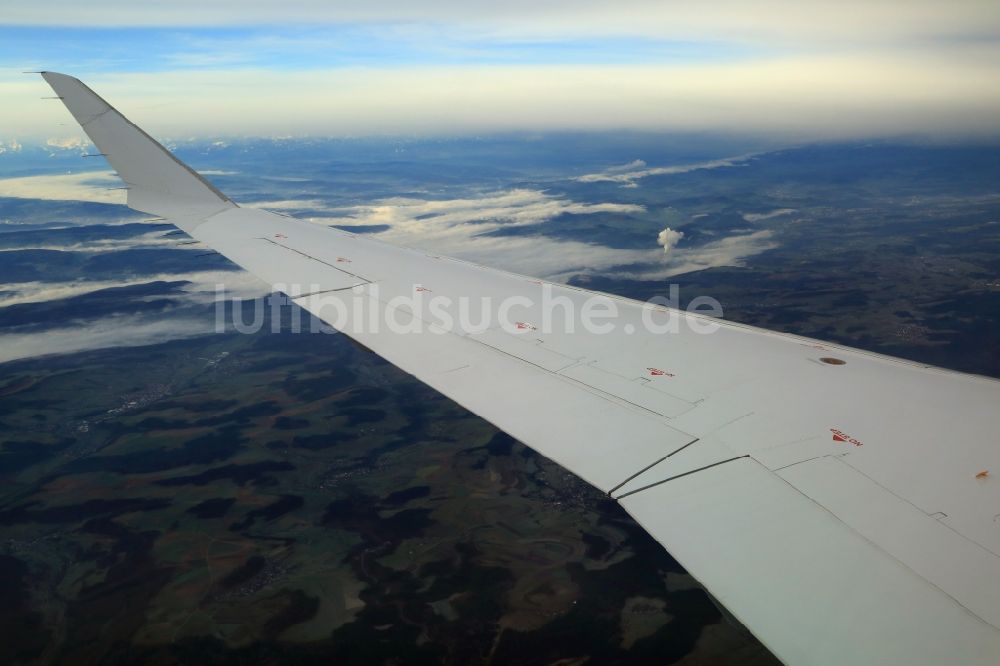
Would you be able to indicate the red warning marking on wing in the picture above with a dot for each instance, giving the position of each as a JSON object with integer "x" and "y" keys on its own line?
{"x": 535, "y": 281}
{"x": 840, "y": 436}
{"x": 343, "y": 260}
{"x": 523, "y": 326}
{"x": 422, "y": 289}
{"x": 656, "y": 372}
{"x": 280, "y": 236}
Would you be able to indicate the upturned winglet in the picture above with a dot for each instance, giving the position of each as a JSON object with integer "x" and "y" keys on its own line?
{"x": 157, "y": 182}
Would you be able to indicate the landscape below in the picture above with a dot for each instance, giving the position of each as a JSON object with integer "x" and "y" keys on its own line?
{"x": 175, "y": 495}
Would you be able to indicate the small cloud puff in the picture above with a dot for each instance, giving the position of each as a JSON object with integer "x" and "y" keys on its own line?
{"x": 12, "y": 146}
{"x": 67, "y": 143}
{"x": 668, "y": 239}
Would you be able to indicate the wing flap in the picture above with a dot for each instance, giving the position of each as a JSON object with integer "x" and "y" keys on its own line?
{"x": 811, "y": 588}
{"x": 921, "y": 542}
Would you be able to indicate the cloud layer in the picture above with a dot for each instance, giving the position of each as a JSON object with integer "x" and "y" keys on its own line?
{"x": 627, "y": 174}
{"x": 502, "y": 229}
{"x": 124, "y": 331}
{"x": 91, "y": 186}
{"x": 201, "y": 287}
{"x": 465, "y": 228}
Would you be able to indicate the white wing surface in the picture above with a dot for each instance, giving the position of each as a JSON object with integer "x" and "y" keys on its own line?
{"x": 839, "y": 503}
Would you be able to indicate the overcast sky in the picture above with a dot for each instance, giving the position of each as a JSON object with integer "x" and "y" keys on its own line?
{"x": 801, "y": 70}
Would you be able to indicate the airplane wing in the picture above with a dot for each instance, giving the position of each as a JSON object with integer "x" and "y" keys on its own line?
{"x": 843, "y": 505}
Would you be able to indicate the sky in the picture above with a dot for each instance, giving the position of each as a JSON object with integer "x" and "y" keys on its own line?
{"x": 798, "y": 70}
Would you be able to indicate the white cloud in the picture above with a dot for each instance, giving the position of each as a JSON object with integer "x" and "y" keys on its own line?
{"x": 68, "y": 143}
{"x": 631, "y": 166}
{"x": 517, "y": 207}
{"x": 11, "y": 146}
{"x": 668, "y": 239}
{"x": 153, "y": 239}
{"x": 627, "y": 174}
{"x": 122, "y": 331}
{"x": 93, "y": 186}
{"x": 757, "y": 217}
{"x": 202, "y": 287}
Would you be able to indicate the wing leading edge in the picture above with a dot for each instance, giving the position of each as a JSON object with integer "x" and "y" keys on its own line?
{"x": 834, "y": 508}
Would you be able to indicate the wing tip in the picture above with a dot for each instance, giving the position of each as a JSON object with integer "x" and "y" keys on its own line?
{"x": 48, "y": 76}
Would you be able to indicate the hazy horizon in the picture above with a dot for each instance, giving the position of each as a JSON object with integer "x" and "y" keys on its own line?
{"x": 789, "y": 72}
